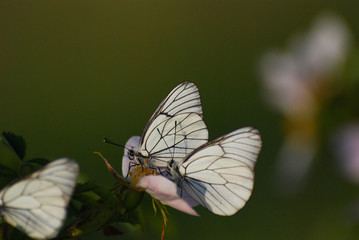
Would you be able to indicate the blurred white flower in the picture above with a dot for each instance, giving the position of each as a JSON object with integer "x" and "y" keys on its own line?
{"x": 293, "y": 79}
{"x": 325, "y": 47}
{"x": 284, "y": 89}
{"x": 346, "y": 147}
{"x": 297, "y": 82}
{"x": 294, "y": 161}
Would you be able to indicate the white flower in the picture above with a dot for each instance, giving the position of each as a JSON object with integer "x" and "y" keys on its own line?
{"x": 293, "y": 80}
{"x": 346, "y": 147}
{"x": 156, "y": 185}
{"x": 297, "y": 82}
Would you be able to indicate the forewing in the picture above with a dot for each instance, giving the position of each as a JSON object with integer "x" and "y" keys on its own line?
{"x": 219, "y": 175}
{"x": 37, "y": 204}
{"x": 173, "y": 138}
{"x": 176, "y": 127}
{"x": 184, "y": 98}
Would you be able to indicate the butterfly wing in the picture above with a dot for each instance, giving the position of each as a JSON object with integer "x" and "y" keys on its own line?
{"x": 176, "y": 127}
{"x": 37, "y": 204}
{"x": 184, "y": 98}
{"x": 219, "y": 175}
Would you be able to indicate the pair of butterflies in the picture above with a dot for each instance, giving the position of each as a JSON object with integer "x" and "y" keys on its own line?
{"x": 36, "y": 205}
{"x": 218, "y": 174}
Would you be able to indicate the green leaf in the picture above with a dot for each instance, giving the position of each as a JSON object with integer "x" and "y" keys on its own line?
{"x": 129, "y": 229}
{"x": 32, "y": 165}
{"x": 107, "y": 195}
{"x": 112, "y": 231}
{"x": 101, "y": 191}
{"x": 39, "y": 161}
{"x": 7, "y": 175}
{"x": 87, "y": 200}
{"x": 132, "y": 198}
{"x": 15, "y": 143}
{"x": 12, "y": 233}
{"x": 95, "y": 195}
{"x": 86, "y": 187}
{"x": 96, "y": 222}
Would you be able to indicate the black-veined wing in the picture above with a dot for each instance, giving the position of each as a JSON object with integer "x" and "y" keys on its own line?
{"x": 37, "y": 204}
{"x": 220, "y": 174}
{"x": 175, "y": 129}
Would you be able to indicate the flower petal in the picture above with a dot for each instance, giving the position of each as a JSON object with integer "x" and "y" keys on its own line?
{"x": 132, "y": 143}
{"x": 347, "y": 151}
{"x": 166, "y": 191}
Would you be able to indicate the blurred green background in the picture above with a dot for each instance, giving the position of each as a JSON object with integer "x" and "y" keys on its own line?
{"x": 72, "y": 72}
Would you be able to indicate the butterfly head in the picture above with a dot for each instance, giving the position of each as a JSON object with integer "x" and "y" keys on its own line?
{"x": 135, "y": 157}
{"x": 131, "y": 154}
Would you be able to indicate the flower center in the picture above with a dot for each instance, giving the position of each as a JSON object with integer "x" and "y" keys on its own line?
{"x": 138, "y": 171}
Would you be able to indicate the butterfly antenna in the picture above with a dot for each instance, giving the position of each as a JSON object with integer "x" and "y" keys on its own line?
{"x": 106, "y": 140}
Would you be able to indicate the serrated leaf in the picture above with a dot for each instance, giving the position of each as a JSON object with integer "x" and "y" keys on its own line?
{"x": 15, "y": 143}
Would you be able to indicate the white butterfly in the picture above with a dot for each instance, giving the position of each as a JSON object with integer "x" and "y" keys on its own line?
{"x": 220, "y": 174}
{"x": 174, "y": 130}
{"x": 37, "y": 204}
